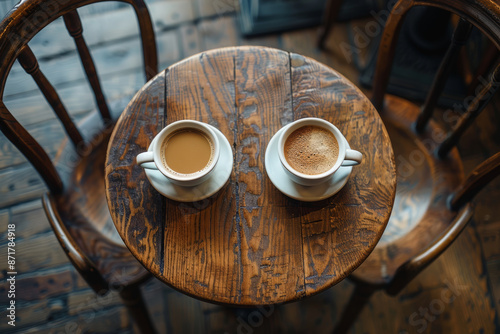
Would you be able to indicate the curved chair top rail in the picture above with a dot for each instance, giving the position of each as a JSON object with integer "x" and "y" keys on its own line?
{"x": 483, "y": 14}
{"x": 18, "y": 27}
{"x": 28, "y": 17}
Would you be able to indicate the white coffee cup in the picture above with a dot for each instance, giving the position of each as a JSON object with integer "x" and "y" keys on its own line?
{"x": 346, "y": 156}
{"x": 153, "y": 159}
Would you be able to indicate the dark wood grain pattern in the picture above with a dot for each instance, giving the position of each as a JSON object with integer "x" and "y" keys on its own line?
{"x": 249, "y": 244}
{"x": 207, "y": 231}
{"x": 137, "y": 201}
{"x": 270, "y": 227}
{"x": 346, "y": 220}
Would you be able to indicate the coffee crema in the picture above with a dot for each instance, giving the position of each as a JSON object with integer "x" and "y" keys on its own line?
{"x": 311, "y": 150}
{"x": 187, "y": 151}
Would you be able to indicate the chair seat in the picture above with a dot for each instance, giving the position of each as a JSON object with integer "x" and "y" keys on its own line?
{"x": 424, "y": 184}
{"x": 83, "y": 209}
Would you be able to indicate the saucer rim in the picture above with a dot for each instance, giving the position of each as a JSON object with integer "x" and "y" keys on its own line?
{"x": 223, "y": 142}
{"x": 267, "y": 157}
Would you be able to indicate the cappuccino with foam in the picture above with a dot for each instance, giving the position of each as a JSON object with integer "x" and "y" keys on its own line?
{"x": 311, "y": 150}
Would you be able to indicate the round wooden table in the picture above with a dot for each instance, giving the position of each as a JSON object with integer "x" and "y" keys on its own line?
{"x": 249, "y": 244}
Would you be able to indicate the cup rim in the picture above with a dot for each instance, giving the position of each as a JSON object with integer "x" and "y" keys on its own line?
{"x": 317, "y": 122}
{"x": 178, "y": 125}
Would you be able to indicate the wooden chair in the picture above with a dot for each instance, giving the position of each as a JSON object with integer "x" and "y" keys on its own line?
{"x": 332, "y": 9}
{"x": 433, "y": 201}
{"x": 76, "y": 204}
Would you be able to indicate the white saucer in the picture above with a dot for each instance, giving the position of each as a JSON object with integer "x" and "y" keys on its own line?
{"x": 217, "y": 180}
{"x": 280, "y": 179}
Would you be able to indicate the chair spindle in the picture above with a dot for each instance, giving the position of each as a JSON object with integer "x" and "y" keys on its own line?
{"x": 359, "y": 298}
{"x": 29, "y": 63}
{"x": 75, "y": 29}
{"x": 133, "y": 300}
{"x": 460, "y": 36}
{"x": 474, "y": 109}
{"x": 490, "y": 57}
{"x": 386, "y": 52}
{"x": 477, "y": 179}
{"x": 149, "y": 52}
{"x": 331, "y": 12}
{"x": 21, "y": 138}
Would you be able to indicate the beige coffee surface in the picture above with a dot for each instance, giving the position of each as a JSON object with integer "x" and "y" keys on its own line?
{"x": 187, "y": 151}
{"x": 311, "y": 150}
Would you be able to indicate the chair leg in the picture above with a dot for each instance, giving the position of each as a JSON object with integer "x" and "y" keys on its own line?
{"x": 331, "y": 12}
{"x": 132, "y": 298}
{"x": 359, "y": 298}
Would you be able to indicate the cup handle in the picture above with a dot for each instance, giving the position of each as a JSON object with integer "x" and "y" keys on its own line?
{"x": 352, "y": 158}
{"x": 146, "y": 160}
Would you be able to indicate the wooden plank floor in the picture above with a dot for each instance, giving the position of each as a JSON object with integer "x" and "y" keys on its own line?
{"x": 459, "y": 293}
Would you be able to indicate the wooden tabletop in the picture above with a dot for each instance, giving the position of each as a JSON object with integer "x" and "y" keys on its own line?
{"x": 249, "y": 244}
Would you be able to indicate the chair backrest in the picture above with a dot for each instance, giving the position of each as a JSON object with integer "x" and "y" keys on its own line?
{"x": 484, "y": 15}
{"x": 18, "y": 27}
